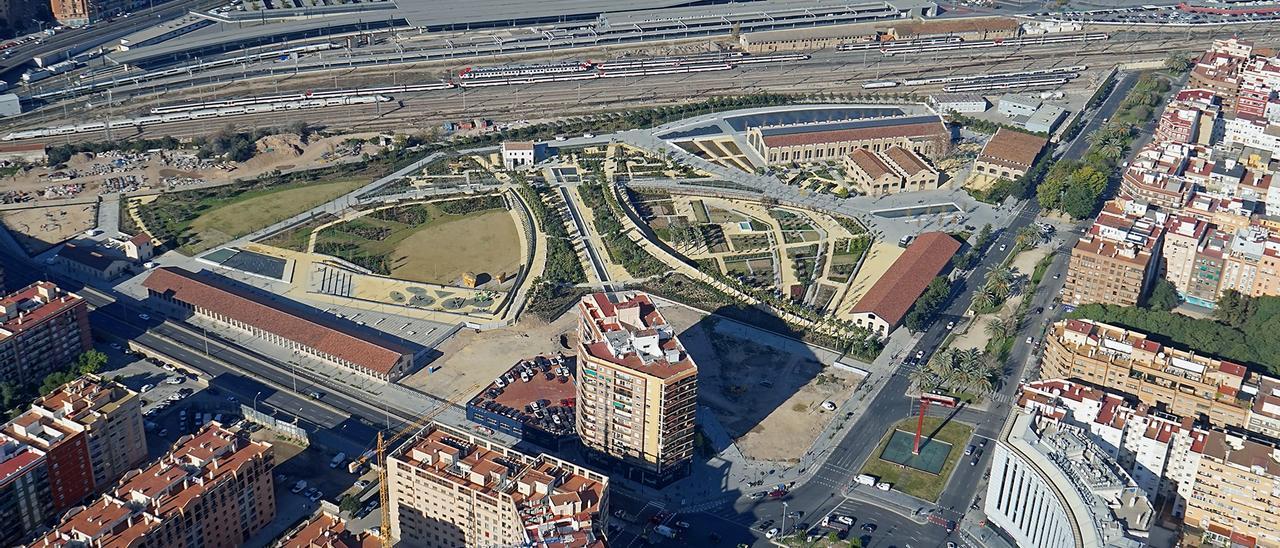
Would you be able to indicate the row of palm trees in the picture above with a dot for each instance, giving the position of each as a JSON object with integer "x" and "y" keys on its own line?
{"x": 969, "y": 370}
{"x": 998, "y": 287}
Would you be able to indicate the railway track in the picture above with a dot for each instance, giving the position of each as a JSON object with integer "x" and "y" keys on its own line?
{"x": 813, "y": 75}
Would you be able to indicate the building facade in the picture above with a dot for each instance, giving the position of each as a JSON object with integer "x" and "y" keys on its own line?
{"x": 637, "y": 388}
{"x": 213, "y": 488}
{"x": 1175, "y": 380}
{"x": 927, "y": 136}
{"x": 1118, "y": 258}
{"x": 42, "y": 329}
{"x": 26, "y": 499}
{"x": 448, "y": 488}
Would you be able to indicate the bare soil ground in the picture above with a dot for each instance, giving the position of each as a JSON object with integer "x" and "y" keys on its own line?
{"x": 39, "y": 229}
{"x": 472, "y": 358}
{"x": 766, "y": 391}
{"x": 487, "y": 243}
{"x": 283, "y": 152}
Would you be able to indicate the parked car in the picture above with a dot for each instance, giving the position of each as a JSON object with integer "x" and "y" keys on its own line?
{"x": 771, "y": 533}
{"x": 144, "y": 317}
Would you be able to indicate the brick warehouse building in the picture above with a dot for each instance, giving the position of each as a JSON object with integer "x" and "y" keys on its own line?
{"x": 884, "y": 306}
{"x": 185, "y": 294}
{"x": 927, "y": 136}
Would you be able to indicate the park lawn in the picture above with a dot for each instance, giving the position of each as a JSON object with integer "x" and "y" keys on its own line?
{"x": 224, "y": 219}
{"x": 438, "y": 250}
{"x": 919, "y": 483}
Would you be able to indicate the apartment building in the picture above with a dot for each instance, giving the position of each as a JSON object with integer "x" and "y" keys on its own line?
{"x": 1118, "y": 258}
{"x": 1189, "y": 118}
{"x": 1218, "y": 70}
{"x": 637, "y": 388}
{"x": 1159, "y": 451}
{"x": 184, "y": 295}
{"x": 213, "y": 488}
{"x": 26, "y": 500}
{"x": 1164, "y": 174}
{"x": 889, "y": 172}
{"x": 84, "y": 12}
{"x": 42, "y": 329}
{"x": 1234, "y": 502}
{"x": 449, "y": 488}
{"x": 1252, "y": 263}
{"x": 327, "y": 529}
{"x": 1051, "y": 487}
{"x": 109, "y": 415}
{"x": 1175, "y": 380}
{"x": 925, "y": 135}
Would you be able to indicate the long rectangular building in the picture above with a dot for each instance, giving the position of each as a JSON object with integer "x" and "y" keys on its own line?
{"x": 1178, "y": 380}
{"x": 926, "y": 135}
{"x": 884, "y": 306}
{"x": 186, "y": 294}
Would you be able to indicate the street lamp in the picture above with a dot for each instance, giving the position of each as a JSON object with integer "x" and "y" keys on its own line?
{"x": 783, "y": 530}
{"x": 255, "y": 401}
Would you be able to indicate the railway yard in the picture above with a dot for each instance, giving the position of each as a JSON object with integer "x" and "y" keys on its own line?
{"x": 422, "y": 95}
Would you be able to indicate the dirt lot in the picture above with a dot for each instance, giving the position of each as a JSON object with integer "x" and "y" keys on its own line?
{"x": 39, "y": 229}
{"x": 484, "y": 244}
{"x": 766, "y": 391}
{"x": 89, "y": 172}
{"x": 472, "y": 358}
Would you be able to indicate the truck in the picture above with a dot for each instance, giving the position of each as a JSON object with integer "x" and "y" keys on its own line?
{"x": 355, "y": 465}
{"x": 337, "y": 460}
{"x": 905, "y": 240}
{"x": 864, "y": 479}
{"x": 665, "y": 531}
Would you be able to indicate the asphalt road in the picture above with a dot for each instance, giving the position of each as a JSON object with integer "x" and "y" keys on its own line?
{"x": 250, "y": 380}
{"x": 99, "y": 32}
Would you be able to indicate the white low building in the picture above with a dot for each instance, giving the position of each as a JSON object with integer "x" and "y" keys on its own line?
{"x": 962, "y": 103}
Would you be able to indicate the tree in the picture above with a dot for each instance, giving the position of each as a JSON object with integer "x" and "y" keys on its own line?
{"x": 1163, "y": 296}
{"x": 1177, "y": 63}
{"x": 1233, "y": 308}
{"x": 349, "y": 504}
{"x": 90, "y": 362}
{"x": 8, "y": 395}
{"x": 999, "y": 328}
{"x": 1079, "y": 201}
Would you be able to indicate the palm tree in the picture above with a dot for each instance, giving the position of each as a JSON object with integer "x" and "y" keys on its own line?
{"x": 998, "y": 328}
{"x": 983, "y": 300}
{"x": 925, "y": 379}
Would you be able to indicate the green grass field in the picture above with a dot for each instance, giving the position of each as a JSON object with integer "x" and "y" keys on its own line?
{"x": 424, "y": 243}
{"x": 914, "y": 482}
{"x": 198, "y": 220}
{"x": 260, "y": 208}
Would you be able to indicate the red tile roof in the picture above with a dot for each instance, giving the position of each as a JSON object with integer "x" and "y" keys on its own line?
{"x": 233, "y": 302}
{"x": 1013, "y": 149}
{"x": 37, "y": 302}
{"x": 894, "y": 293}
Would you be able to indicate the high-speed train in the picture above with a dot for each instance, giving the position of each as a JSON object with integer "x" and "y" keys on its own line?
{"x": 197, "y": 114}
